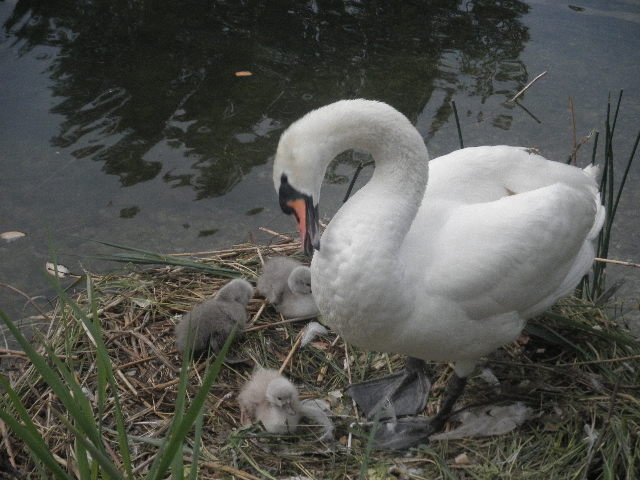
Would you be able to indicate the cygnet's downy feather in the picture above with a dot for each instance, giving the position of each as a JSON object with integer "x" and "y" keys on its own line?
{"x": 286, "y": 284}
{"x": 209, "y": 324}
{"x": 487, "y": 421}
{"x": 268, "y": 397}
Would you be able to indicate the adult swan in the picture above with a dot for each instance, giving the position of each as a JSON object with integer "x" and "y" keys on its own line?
{"x": 442, "y": 260}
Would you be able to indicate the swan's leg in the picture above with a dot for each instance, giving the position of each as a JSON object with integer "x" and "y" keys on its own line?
{"x": 398, "y": 394}
{"x": 453, "y": 390}
{"x": 408, "y": 432}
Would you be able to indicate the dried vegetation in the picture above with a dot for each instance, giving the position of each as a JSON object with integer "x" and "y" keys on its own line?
{"x": 577, "y": 370}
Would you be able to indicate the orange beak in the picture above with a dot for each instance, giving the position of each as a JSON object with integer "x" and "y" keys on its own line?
{"x": 300, "y": 211}
{"x": 301, "y": 205}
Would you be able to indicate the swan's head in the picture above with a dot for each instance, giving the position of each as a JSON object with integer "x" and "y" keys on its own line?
{"x": 283, "y": 394}
{"x": 303, "y": 154}
{"x": 309, "y": 144}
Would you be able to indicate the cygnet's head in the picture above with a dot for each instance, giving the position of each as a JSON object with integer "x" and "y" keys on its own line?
{"x": 283, "y": 394}
{"x": 300, "y": 280}
{"x": 237, "y": 290}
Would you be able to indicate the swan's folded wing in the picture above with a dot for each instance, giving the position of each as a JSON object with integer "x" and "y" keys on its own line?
{"x": 520, "y": 253}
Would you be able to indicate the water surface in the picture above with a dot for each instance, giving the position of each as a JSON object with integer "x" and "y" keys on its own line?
{"x": 125, "y": 122}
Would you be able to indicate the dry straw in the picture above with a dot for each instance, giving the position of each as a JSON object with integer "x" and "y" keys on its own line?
{"x": 574, "y": 367}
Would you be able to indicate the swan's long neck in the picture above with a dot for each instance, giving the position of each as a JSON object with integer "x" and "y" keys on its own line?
{"x": 388, "y": 204}
{"x": 370, "y": 228}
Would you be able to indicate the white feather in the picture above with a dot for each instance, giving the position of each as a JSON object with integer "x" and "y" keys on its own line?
{"x": 442, "y": 260}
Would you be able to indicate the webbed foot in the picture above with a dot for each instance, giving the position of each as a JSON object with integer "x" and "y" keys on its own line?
{"x": 402, "y": 433}
{"x": 407, "y": 432}
{"x": 395, "y": 395}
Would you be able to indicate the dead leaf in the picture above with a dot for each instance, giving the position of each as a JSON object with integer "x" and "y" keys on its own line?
{"x": 61, "y": 270}
{"x": 11, "y": 236}
{"x": 243, "y": 73}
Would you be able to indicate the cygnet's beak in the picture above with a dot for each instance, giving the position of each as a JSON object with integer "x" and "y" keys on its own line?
{"x": 301, "y": 205}
{"x": 289, "y": 409}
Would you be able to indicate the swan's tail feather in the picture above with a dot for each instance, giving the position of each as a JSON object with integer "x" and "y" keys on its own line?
{"x": 592, "y": 171}
{"x": 598, "y": 221}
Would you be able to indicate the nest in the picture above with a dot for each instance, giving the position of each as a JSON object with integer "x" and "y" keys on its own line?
{"x": 578, "y": 371}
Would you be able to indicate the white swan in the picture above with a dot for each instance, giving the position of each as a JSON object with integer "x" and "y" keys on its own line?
{"x": 447, "y": 270}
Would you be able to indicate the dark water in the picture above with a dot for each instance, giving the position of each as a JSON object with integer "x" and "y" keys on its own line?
{"x": 124, "y": 121}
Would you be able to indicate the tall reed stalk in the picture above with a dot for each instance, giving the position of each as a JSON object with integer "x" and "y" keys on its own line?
{"x": 610, "y": 194}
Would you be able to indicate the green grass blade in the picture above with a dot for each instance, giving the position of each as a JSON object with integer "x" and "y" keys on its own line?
{"x": 105, "y": 371}
{"x": 82, "y": 461}
{"x": 81, "y": 410}
{"x": 177, "y": 470}
{"x": 368, "y": 450}
{"x": 615, "y": 115}
{"x": 197, "y": 441}
{"x": 180, "y": 431}
{"x": 595, "y": 148}
{"x": 28, "y": 432}
{"x": 549, "y": 334}
{"x": 455, "y": 114}
{"x": 104, "y": 364}
{"x": 49, "y": 375}
{"x": 144, "y": 257}
{"x": 99, "y": 456}
{"x": 39, "y": 450}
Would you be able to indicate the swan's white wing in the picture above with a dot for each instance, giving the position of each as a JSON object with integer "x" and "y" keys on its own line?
{"x": 483, "y": 174}
{"x": 519, "y": 253}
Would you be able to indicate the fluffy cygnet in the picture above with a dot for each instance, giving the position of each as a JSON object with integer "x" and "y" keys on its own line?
{"x": 270, "y": 398}
{"x": 208, "y": 325}
{"x": 286, "y": 283}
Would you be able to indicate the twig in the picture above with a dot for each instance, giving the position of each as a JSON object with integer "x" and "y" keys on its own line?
{"x": 35, "y": 305}
{"x": 281, "y": 322}
{"x": 617, "y": 262}
{"x": 276, "y": 234}
{"x": 527, "y": 86}
{"x": 527, "y": 111}
{"x": 216, "y": 466}
{"x": 290, "y": 354}
{"x": 260, "y": 256}
{"x": 577, "y": 146}
{"x": 12, "y": 353}
{"x": 8, "y": 353}
{"x": 232, "y": 251}
{"x": 7, "y": 444}
{"x": 594, "y": 362}
{"x": 257, "y": 315}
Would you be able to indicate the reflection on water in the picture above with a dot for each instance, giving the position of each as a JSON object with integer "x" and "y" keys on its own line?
{"x": 130, "y": 75}
{"x": 124, "y": 121}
